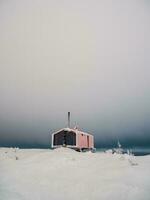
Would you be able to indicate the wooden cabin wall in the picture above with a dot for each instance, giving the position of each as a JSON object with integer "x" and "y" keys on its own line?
{"x": 91, "y": 141}
{"x": 85, "y": 141}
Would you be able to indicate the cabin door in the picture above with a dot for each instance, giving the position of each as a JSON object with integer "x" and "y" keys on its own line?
{"x": 87, "y": 141}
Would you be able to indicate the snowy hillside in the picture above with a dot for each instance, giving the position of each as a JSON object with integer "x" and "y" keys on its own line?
{"x": 63, "y": 174}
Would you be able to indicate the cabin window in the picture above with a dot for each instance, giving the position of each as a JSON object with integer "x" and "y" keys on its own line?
{"x": 65, "y": 138}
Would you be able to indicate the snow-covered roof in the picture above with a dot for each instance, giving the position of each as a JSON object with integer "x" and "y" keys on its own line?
{"x": 71, "y": 130}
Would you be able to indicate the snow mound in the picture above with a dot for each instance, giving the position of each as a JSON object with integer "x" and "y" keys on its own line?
{"x": 64, "y": 174}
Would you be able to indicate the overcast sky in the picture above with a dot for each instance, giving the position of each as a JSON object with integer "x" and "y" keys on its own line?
{"x": 89, "y": 57}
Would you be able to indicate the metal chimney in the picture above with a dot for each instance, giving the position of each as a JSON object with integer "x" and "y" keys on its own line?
{"x": 68, "y": 119}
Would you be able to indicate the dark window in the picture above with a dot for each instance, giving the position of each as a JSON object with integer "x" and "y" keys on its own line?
{"x": 65, "y": 137}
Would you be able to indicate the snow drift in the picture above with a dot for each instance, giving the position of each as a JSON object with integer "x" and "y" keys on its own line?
{"x": 27, "y": 174}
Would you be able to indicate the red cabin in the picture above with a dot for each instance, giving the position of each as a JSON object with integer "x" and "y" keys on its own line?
{"x": 72, "y": 138}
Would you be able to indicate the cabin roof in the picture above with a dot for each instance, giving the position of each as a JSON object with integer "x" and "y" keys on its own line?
{"x": 72, "y": 130}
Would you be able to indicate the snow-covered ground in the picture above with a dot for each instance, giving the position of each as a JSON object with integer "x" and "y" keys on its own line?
{"x": 63, "y": 174}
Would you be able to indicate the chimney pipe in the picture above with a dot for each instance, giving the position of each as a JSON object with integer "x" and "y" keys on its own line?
{"x": 68, "y": 119}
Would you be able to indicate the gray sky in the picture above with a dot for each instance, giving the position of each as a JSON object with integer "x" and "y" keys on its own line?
{"x": 89, "y": 57}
